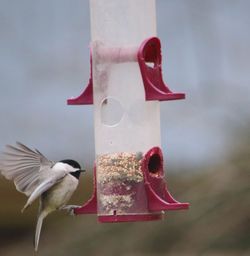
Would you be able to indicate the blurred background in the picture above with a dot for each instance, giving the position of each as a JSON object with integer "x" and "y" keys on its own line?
{"x": 206, "y": 138}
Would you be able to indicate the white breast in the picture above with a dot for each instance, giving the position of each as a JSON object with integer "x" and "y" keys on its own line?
{"x": 60, "y": 194}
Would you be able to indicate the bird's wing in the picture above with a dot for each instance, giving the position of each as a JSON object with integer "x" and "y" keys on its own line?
{"x": 27, "y": 168}
{"x": 44, "y": 186}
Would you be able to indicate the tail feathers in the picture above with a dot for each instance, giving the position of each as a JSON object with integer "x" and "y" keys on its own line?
{"x": 25, "y": 207}
{"x": 39, "y": 224}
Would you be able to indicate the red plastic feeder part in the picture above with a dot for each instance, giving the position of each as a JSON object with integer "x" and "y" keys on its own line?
{"x": 151, "y": 195}
{"x": 150, "y": 63}
{"x": 149, "y": 59}
{"x": 86, "y": 97}
{"x": 159, "y": 198}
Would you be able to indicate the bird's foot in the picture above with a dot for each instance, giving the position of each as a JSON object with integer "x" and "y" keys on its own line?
{"x": 69, "y": 209}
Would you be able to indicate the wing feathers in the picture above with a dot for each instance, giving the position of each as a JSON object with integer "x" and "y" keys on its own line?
{"x": 47, "y": 184}
{"x": 26, "y": 167}
{"x": 31, "y": 171}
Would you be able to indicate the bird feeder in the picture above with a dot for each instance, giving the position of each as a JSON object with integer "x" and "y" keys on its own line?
{"x": 126, "y": 88}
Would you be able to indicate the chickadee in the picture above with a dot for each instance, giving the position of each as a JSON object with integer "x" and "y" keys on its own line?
{"x": 36, "y": 176}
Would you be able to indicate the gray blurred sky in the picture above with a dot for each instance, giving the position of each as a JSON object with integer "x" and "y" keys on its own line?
{"x": 45, "y": 60}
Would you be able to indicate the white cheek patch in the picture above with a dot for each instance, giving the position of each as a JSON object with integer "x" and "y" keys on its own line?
{"x": 61, "y": 167}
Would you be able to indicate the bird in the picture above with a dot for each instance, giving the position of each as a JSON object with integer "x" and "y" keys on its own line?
{"x": 38, "y": 177}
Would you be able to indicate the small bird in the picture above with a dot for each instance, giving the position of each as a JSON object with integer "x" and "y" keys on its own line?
{"x": 36, "y": 176}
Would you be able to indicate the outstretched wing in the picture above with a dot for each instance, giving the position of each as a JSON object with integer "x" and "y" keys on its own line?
{"x": 27, "y": 168}
{"x": 44, "y": 186}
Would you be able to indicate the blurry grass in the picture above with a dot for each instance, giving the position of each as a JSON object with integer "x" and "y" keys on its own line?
{"x": 217, "y": 223}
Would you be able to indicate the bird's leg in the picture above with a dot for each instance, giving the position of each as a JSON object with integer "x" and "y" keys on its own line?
{"x": 69, "y": 209}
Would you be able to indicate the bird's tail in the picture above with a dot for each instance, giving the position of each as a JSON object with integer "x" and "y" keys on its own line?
{"x": 39, "y": 224}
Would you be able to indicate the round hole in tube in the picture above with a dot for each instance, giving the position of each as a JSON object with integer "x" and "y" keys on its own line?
{"x": 154, "y": 163}
{"x": 111, "y": 111}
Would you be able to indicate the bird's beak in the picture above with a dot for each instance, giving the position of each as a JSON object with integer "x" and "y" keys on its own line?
{"x": 82, "y": 170}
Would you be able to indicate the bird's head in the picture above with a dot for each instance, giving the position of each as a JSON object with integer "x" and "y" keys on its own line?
{"x": 75, "y": 165}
